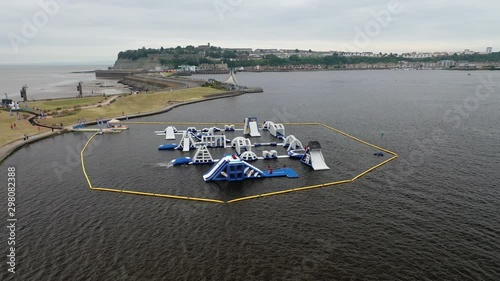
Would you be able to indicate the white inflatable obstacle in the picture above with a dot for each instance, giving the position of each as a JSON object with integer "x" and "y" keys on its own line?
{"x": 249, "y": 156}
{"x": 273, "y": 154}
{"x": 213, "y": 140}
{"x": 241, "y": 145}
{"x": 187, "y": 142}
{"x": 202, "y": 156}
{"x": 276, "y": 129}
{"x": 292, "y": 143}
{"x": 213, "y": 129}
{"x": 314, "y": 158}
{"x": 169, "y": 133}
{"x": 251, "y": 127}
{"x": 266, "y": 125}
{"x": 228, "y": 128}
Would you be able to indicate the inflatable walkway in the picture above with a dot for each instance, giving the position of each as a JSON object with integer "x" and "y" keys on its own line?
{"x": 232, "y": 168}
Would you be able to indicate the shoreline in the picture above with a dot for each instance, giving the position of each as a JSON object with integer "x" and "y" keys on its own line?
{"x": 354, "y": 69}
{"x": 13, "y": 146}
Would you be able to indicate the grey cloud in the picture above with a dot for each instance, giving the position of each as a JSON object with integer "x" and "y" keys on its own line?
{"x": 316, "y": 24}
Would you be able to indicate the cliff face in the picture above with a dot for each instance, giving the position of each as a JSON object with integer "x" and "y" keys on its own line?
{"x": 142, "y": 63}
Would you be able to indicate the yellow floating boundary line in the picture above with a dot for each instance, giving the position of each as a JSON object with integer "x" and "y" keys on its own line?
{"x": 206, "y": 200}
{"x": 82, "y": 157}
{"x": 243, "y": 198}
{"x": 374, "y": 167}
{"x": 308, "y": 187}
{"x": 303, "y": 124}
{"x": 172, "y": 196}
{"x": 83, "y": 162}
{"x": 138, "y": 193}
{"x": 209, "y": 123}
{"x": 179, "y": 123}
{"x": 288, "y": 191}
{"x": 337, "y": 183}
{"x": 107, "y": 189}
{"x": 395, "y": 155}
{"x": 158, "y": 195}
{"x": 359, "y": 140}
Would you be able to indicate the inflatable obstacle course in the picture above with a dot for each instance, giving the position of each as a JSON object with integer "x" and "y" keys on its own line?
{"x": 207, "y": 138}
{"x": 250, "y": 156}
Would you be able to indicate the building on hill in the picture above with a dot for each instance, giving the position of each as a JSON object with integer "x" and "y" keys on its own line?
{"x": 239, "y": 50}
{"x": 212, "y": 66}
{"x": 447, "y": 63}
{"x": 205, "y": 47}
{"x": 187, "y": 68}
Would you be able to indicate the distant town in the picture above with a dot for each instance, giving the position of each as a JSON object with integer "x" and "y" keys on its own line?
{"x": 208, "y": 59}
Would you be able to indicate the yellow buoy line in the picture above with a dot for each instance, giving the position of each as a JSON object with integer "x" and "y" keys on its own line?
{"x": 247, "y": 197}
{"x": 179, "y": 123}
{"x": 136, "y": 192}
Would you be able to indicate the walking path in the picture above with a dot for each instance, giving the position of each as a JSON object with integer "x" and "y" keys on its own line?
{"x": 9, "y": 148}
{"x": 13, "y": 146}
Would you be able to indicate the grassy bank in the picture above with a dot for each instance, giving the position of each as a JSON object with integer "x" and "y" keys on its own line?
{"x": 127, "y": 104}
{"x": 23, "y": 126}
{"x": 132, "y": 104}
{"x": 49, "y": 105}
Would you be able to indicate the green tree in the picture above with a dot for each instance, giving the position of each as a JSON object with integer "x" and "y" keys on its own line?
{"x": 294, "y": 59}
{"x": 230, "y": 54}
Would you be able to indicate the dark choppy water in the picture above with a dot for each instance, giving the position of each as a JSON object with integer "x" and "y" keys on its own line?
{"x": 433, "y": 214}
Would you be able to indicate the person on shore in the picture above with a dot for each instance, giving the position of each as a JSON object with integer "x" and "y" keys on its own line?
{"x": 52, "y": 129}
{"x": 14, "y": 126}
{"x": 24, "y": 137}
{"x": 11, "y": 127}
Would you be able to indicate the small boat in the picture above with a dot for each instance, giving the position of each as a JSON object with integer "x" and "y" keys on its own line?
{"x": 169, "y": 146}
{"x": 115, "y": 124}
{"x": 182, "y": 161}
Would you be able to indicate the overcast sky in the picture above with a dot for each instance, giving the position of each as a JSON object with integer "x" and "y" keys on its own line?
{"x": 91, "y": 30}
